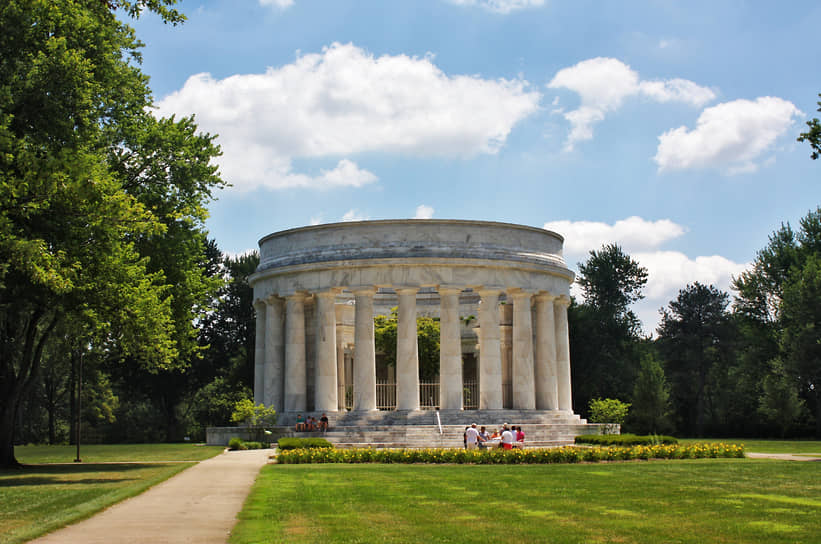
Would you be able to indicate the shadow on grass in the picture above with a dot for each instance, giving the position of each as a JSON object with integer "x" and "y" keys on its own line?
{"x": 33, "y": 475}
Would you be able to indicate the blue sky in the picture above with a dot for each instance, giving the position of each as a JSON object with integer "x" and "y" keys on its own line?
{"x": 667, "y": 127}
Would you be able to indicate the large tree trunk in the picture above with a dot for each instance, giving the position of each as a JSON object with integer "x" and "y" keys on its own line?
{"x": 7, "y": 416}
{"x": 52, "y": 435}
{"x": 15, "y": 381}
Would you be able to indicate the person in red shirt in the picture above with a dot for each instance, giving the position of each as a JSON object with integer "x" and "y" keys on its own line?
{"x": 520, "y": 437}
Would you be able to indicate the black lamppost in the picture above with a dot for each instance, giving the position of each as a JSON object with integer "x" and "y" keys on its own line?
{"x": 79, "y": 396}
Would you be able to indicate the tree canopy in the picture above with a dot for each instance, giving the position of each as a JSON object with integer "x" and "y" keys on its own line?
{"x": 693, "y": 338}
{"x": 427, "y": 336}
{"x": 813, "y": 135}
{"x": 779, "y": 300}
{"x": 97, "y": 197}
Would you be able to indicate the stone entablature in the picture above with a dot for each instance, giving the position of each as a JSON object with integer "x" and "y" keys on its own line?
{"x": 306, "y": 274}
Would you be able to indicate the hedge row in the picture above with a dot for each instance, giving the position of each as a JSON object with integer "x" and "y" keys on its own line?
{"x": 625, "y": 439}
{"x": 567, "y": 454}
{"x": 239, "y": 444}
{"x": 303, "y": 443}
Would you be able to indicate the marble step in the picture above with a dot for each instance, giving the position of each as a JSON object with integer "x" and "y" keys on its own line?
{"x": 449, "y": 417}
{"x": 449, "y": 444}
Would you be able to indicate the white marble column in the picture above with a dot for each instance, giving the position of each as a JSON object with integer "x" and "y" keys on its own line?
{"x": 273, "y": 394}
{"x": 563, "y": 353}
{"x": 296, "y": 385}
{"x": 450, "y": 350}
{"x": 340, "y": 371}
{"x": 407, "y": 351}
{"x": 490, "y": 354}
{"x": 364, "y": 363}
{"x": 524, "y": 390}
{"x": 259, "y": 352}
{"x": 325, "y": 397}
{"x": 547, "y": 394}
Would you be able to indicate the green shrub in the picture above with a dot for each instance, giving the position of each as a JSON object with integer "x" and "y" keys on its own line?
{"x": 246, "y": 413}
{"x": 236, "y": 444}
{"x": 625, "y": 439}
{"x": 303, "y": 443}
{"x": 611, "y": 412}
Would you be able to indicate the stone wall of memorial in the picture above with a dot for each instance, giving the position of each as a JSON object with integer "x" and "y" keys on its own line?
{"x": 500, "y": 292}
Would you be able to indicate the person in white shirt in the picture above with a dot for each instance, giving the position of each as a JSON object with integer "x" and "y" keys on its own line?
{"x": 507, "y": 438}
{"x": 472, "y": 437}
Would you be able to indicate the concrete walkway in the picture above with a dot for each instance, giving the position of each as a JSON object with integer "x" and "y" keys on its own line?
{"x": 200, "y": 505}
{"x": 786, "y": 456}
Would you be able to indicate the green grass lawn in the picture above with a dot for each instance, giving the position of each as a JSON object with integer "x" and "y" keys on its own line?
{"x": 41, "y": 497}
{"x": 704, "y": 500}
{"x": 115, "y": 453}
{"x": 765, "y": 446}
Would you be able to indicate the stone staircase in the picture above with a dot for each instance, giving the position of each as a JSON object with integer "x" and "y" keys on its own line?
{"x": 420, "y": 429}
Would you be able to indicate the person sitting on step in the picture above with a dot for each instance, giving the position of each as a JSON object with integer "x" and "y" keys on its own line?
{"x": 520, "y": 437}
{"x": 483, "y": 437}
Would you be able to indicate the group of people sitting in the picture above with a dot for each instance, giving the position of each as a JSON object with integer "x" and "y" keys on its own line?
{"x": 508, "y": 437}
{"x": 311, "y": 424}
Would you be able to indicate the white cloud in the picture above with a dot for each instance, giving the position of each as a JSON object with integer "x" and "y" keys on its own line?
{"x": 604, "y": 83}
{"x": 345, "y": 174}
{"x": 354, "y": 215}
{"x": 732, "y": 136}
{"x": 344, "y": 101}
{"x": 633, "y": 234}
{"x": 667, "y": 271}
{"x": 316, "y": 219}
{"x": 423, "y": 212}
{"x": 281, "y": 4}
{"x": 677, "y": 90}
{"x": 670, "y": 271}
{"x": 500, "y": 6}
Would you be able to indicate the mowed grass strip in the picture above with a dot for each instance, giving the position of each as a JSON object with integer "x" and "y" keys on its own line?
{"x": 703, "y": 500}
{"x": 115, "y": 453}
{"x": 39, "y": 498}
{"x": 799, "y": 447}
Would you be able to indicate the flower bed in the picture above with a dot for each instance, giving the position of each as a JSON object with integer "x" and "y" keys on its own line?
{"x": 567, "y": 454}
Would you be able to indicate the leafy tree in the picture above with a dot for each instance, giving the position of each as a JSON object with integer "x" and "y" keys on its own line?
{"x": 611, "y": 281}
{"x": 695, "y": 339}
{"x": 605, "y": 335}
{"x": 779, "y": 298}
{"x": 651, "y": 399}
{"x": 427, "y": 335}
{"x": 813, "y": 136}
{"x": 779, "y": 403}
{"x": 229, "y": 331}
{"x": 801, "y": 334}
{"x": 86, "y": 175}
{"x": 213, "y": 404}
